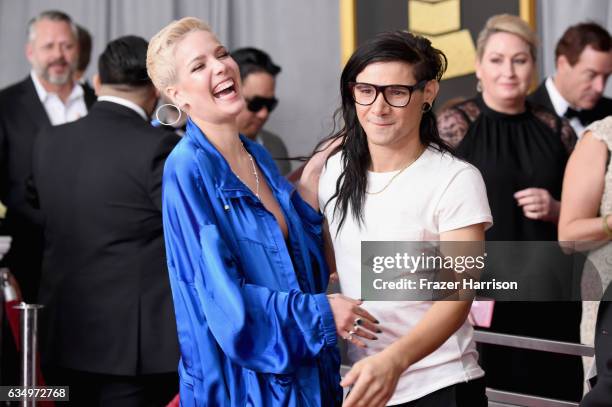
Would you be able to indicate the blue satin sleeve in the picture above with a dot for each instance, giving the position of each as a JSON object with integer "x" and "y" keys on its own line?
{"x": 257, "y": 327}
{"x": 312, "y": 219}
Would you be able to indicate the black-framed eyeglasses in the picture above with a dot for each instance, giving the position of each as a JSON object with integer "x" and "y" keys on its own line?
{"x": 395, "y": 95}
{"x": 258, "y": 103}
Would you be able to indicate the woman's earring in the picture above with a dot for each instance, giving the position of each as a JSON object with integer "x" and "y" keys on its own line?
{"x": 171, "y": 123}
{"x": 426, "y": 107}
{"x": 479, "y": 86}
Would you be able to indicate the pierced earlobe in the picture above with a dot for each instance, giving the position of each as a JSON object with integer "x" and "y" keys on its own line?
{"x": 426, "y": 107}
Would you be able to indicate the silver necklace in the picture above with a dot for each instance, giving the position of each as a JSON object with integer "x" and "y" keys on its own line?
{"x": 254, "y": 172}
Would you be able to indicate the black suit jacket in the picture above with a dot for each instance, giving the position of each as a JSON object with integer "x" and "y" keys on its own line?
{"x": 602, "y": 109}
{"x": 108, "y": 304}
{"x": 22, "y": 116}
{"x": 601, "y": 394}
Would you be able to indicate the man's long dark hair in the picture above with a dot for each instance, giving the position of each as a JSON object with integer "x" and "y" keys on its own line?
{"x": 428, "y": 63}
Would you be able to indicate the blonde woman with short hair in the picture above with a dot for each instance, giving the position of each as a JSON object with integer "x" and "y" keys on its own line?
{"x": 244, "y": 253}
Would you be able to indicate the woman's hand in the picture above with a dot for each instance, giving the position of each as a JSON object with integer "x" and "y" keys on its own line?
{"x": 308, "y": 184}
{"x": 334, "y": 278}
{"x": 351, "y": 320}
{"x": 538, "y": 204}
{"x": 373, "y": 379}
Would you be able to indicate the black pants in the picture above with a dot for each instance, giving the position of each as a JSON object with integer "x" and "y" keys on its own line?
{"x": 25, "y": 257}
{"x": 101, "y": 390}
{"x": 469, "y": 394}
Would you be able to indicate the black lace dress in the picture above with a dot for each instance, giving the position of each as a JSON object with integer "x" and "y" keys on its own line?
{"x": 514, "y": 152}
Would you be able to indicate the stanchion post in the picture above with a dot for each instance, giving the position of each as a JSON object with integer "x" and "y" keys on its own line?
{"x": 29, "y": 347}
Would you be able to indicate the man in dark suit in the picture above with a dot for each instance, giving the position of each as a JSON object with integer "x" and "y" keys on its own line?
{"x": 108, "y": 328}
{"x": 601, "y": 394}
{"x": 258, "y": 75}
{"x": 48, "y": 96}
{"x": 583, "y": 64}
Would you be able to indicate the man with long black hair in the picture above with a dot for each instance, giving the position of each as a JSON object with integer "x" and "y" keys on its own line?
{"x": 390, "y": 177}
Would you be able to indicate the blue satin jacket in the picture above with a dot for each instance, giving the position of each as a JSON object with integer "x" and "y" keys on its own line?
{"x": 254, "y": 324}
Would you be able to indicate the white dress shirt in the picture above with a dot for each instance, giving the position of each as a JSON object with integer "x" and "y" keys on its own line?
{"x": 127, "y": 103}
{"x": 58, "y": 111}
{"x": 561, "y": 105}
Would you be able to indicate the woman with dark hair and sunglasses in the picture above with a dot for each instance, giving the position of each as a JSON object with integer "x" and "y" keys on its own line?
{"x": 387, "y": 175}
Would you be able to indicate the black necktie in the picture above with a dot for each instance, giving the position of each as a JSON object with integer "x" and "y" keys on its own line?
{"x": 582, "y": 115}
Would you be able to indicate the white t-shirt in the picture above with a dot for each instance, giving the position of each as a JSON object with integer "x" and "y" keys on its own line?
{"x": 436, "y": 194}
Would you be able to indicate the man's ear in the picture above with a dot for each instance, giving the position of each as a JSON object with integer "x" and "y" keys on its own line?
{"x": 97, "y": 84}
{"x": 431, "y": 91}
{"x": 562, "y": 64}
{"x": 29, "y": 50}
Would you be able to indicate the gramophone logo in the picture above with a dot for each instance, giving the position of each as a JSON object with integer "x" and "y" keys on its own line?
{"x": 440, "y": 21}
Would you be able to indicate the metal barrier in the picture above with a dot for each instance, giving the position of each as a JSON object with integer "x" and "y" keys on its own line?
{"x": 498, "y": 398}
{"x": 525, "y": 342}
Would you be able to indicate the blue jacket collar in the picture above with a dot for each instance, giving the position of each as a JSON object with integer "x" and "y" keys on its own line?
{"x": 227, "y": 180}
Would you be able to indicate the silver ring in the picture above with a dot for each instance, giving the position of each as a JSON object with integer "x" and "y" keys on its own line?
{"x": 174, "y": 106}
{"x": 358, "y": 321}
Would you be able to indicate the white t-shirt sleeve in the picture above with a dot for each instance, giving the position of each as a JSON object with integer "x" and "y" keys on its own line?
{"x": 464, "y": 202}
